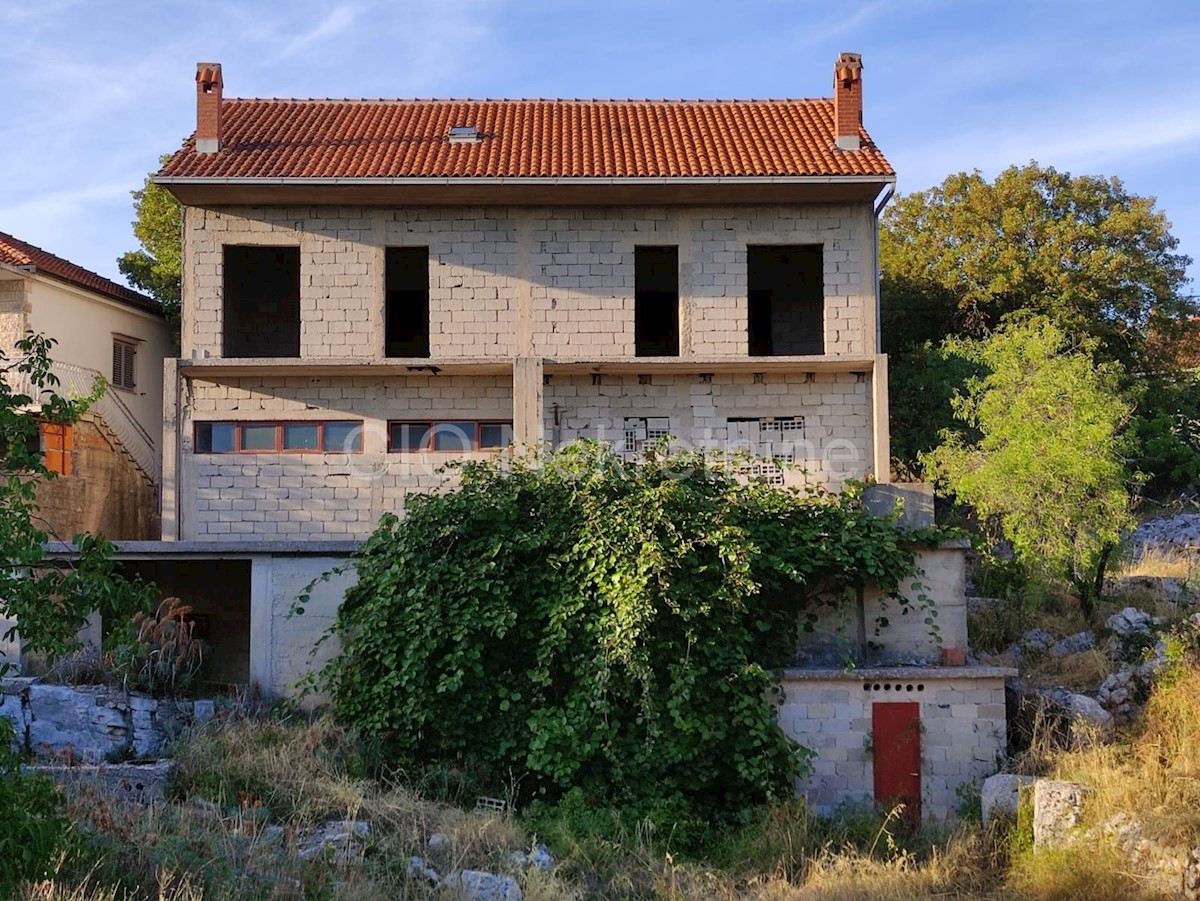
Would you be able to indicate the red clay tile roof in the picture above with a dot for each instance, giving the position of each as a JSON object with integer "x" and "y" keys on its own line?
{"x": 528, "y": 139}
{"x": 14, "y": 252}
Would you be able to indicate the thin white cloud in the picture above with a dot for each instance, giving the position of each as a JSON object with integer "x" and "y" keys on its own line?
{"x": 1100, "y": 142}
{"x": 337, "y": 22}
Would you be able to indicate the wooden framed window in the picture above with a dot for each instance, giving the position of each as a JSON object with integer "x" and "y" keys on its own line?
{"x": 57, "y": 444}
{"x": 300, "y": 437}
{"x": 448, "y": 436}
{"x": 124, "y": 363}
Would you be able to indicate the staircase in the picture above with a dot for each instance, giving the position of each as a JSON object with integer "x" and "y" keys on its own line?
{"x": 78, "y": 381}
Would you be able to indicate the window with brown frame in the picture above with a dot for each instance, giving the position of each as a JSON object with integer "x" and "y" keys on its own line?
{"x": 57, "y": 444}
{"x": 299, "y": 437}
{"x": 448, "y": 436}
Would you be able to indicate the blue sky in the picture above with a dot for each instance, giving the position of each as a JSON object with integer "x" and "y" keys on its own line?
{"x": 96, "y": 91}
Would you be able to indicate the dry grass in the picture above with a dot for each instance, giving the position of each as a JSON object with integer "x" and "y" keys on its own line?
{"x": 1156, "y": 776}
{"x": 1081, "y": 671}
{"x": 297, "y": 774}
{"x": 1090, "y": 870}
{"x": 1155, "y": 563}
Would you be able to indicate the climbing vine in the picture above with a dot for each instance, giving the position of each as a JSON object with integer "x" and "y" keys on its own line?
{"x": 590, "y": 623}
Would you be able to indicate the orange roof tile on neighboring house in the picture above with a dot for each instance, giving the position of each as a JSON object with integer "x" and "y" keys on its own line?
{"x": 14, "y": 252}
{"x": 363, "y": 139}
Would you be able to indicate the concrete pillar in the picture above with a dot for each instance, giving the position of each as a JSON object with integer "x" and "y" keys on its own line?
{"x": 169, "y": 490}
{"x": 528, "y": 415}
{"x": 881, "y": 434}
{"x": 262, "y": 639}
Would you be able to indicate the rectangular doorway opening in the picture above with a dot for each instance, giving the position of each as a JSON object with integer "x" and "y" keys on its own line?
{"x": 262, "y": 301}
{"x": 656, "y": 301}
{"x": 406, "y": 305}
{"x": 786, "y": 300}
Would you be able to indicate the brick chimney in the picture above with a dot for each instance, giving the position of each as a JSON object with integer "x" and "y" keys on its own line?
{"x": 847, "y": 99}
{"x": 209, "y": 130}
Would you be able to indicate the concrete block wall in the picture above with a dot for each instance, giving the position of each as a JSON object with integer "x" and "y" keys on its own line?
{"x": 507, "y": 281}
{"x": 472, "y": 275}
{"x": 268, "y": 496}
{"x": 907, "y": 638}
{"x": 962, "y": 718}
{"x": 835, "y": 444}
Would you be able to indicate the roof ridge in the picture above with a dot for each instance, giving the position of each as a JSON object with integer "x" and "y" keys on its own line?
{"x": 615, "y": 100}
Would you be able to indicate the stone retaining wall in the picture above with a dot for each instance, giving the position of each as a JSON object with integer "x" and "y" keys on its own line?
{"x": 89, "y": 724}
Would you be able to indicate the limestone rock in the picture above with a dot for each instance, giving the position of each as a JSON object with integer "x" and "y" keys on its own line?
{"x": 1036, "y": 641}
{"x": 339, "y": 840}
{"x": 1057, "y": 809}
{"x": 477, "y": 885}
{"x": 999, "y": 795}
{"x": 1073, "y": 644}
{"x": 1087, "y": 718}
{"x": 1130, "y": 621}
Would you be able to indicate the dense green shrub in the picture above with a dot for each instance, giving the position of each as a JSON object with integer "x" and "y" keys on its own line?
{"x": 35, "y": 832}
{"x": 591, "y": 624}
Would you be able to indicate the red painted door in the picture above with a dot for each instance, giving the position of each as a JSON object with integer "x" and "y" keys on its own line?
{"x": 896, "y": 732}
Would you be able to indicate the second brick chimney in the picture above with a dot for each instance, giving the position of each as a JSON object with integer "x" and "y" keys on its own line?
{"x": 847, "y": 100}
{"x": 209, "y": 129}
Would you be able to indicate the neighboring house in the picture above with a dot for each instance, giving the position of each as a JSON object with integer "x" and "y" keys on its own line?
{"x": 374, "y": 287}
{"x": 108, "y": 464}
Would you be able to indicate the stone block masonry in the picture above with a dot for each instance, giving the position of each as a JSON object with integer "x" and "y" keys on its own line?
{"x": 962, "y": 723}
{"x": 505, "y": 281}
{"x": 320, "y": 495}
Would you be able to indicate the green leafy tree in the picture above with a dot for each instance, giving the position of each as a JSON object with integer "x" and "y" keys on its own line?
{"x": 1048, "y": 465}
{"x": 36, "y": 830}
{"x": 156, "y": 267}
{"x": 593, "y": 625}
{"x": 1083, "y": 252}
{"x": 50, "y": 603}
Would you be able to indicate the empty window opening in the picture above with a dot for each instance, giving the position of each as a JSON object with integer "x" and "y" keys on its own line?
{"x": 262, "y": 301}
{"x": 124, "y": 360}
{"x": 656, "y": 301}
{"x": 786, "y": 314}
{"x": 406, "y": 313}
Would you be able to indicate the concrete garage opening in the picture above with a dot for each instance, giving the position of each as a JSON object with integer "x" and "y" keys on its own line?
{"x": 218, "y": 591}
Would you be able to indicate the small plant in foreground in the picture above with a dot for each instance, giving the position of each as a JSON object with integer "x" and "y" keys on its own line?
{"x": 35, "y": 832}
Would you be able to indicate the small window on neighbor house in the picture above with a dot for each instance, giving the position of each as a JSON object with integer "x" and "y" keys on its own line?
{"x": 57, "y": 445}
{"x": 786, "y": 300}
{"x": 406, "y": 302}
{"x": 124, "y": 360}
{"x": 262, "y": 301}
{"x": 656, "y": 301}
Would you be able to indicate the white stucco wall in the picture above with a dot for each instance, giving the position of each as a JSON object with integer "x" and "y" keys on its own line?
{"x": 84, "y": 325}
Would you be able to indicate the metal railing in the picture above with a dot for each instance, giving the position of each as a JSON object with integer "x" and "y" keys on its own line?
{"x": 78, "y": 381}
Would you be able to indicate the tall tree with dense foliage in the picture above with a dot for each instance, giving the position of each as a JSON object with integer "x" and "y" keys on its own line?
{"x": 157, "y": 266}
{"x": 596, "y": 625}
{"x": 1046, "y": 466}
{"x": 1083, "y": 252}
